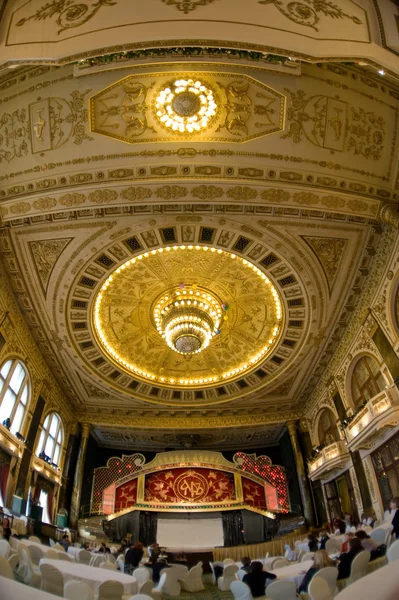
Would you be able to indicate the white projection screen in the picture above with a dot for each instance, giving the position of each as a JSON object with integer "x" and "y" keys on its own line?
{"x": 185, "y": 534}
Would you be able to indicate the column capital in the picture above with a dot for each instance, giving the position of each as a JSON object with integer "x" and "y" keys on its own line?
{"x": 389, "y": 214}
{"x": 86, "y": 428}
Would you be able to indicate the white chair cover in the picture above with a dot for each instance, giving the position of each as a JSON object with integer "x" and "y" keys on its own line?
{"x": 378, "y": 535}
{"x": 279, "y": 562}
{"x": 5, "y": 568}
{"x": 359, "y": 565}
{"x": 181, "y": 570}
{"x": 240, "y": 574}
{"x": 110, "y": 590}
{"x": 229, "y": 575}
{"x": 192, "y": 582}
{"x": 140, "y": 597}
{"x": 393, "y": 551}
{"x": 32, "y": 576}
{"x": 35, "y": 554}
{"x": 307, "y": 556}
{"x": 281, "y": 590}
{"x": 319, "y": 589}
{"x": 240, "y": 591}
{"x": 329, "y": 574}
{"x": 141, "y": 574}
{"x": 333, "y": 546}
{"x": 171, "y": 585}
{"x": 33, "y": 538}
{"x": 228, "y": 561}
{"x": 84, "y": 557}
{"x": 77, "y": 590}
{"x": 13, "y": 561}
{"x": 109, "y": 566}
{"x": 4, "y": 548}
{"x": 146, "y": 587}
{"x": 288, "y": 554}
{"x": 52, "y": 580}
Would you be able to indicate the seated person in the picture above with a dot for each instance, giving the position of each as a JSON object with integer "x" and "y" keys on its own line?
{"x": 157, "y": 567}
{"x": 321, "y": 560}
{"x": 313, "y": 542}
{"x": 84, "y": 546}
{"x": 339, "y": 524}
{"x": 345, "y": 544}
{"x": 153, "y": 552}
{"x": 346, "y": 559}
{"x": 246, "y": 564}
{"x": 256, "y": 579}
{"x": 133, "y": 557}
{"x": 6, "y": 529}
{"x": 394, "y": 506}
{"x": 324, "y": 537}
{"x": 369, "y": 520}
{"x": 65, "y": 543}
{"x": 367, "y": 542}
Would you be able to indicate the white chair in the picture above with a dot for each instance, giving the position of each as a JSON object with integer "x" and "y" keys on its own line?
{"x": 4, "y": 548}
{"x": 33, "y": 538}
{"x": 333, "y": 546}
{"x": 35, "y": 553}
{"x": 319, "y": 589}
{"x": 229, "y": 575}
{"x": 378, "y": 535}
{"x": 110, "y": 558}
{"x": 110, "y": 590}
{"x": 141, "y": 574}
{"x": 228, "y": 561}
{"x": 97, "y": 560}
{"x": 181, "y": 570}
{"x": 240, "y": 574}
{"x": 31, "y": 575}
{"x": 281, "y": 590}
{"x": 158, "y": 591}
{"x": 301, "y": 553}
{"x": 140, "y": 597}
{"x": 52, "y": 580}
{"x": 297, "y": 544}
{"x": 84, "y": 557}
{"x": 393, "y": 551}
{"x": 77, "y": 590}
{"x": 171, "y": 585}
{"x": 288, "y": 554}
{"x": 121, "y": 563}
{"x": 307, "y": 556}
{"x": 240, "y": 591}
{"x": 192, "y": 582}
{"x": 58, "y": 546}
{"x": 22, "y": 565}
{"x": 279, "y": 562}
{"x": 214, "y": 564}
{"x": 359, "y": 565}
{"x": 388, "y": 538}
{"x": 64, "y": 556}
{"x": 52, "y": 542}
{"x": 53, "y": 554}
{"x": 329, "y": 574}
{"x": 5, "y": 568}
{"x": 146, "y": 588}
{"x": 13, "y": 561}
{"x": 108, "y": 566}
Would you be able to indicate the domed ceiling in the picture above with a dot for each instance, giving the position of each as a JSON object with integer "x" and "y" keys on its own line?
{"x": 190, "y": 233}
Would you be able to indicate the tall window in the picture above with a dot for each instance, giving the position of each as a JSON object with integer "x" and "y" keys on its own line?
{"x": 50, "y": 441}
{"x": 328, "y": 432}
{"x": 386, "y": 466}
{"x": 14, "y": 393}
{"x": 367, "y": 380}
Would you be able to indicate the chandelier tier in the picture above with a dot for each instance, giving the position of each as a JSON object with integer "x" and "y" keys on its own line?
{"x": 188, "y": 317}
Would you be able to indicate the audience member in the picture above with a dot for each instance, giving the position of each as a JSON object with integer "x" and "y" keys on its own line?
{"x": 347, "y": 539}
{"x": 246, "y": 564}
{"x": 348, "y": 522}
{"x": 346, "y": 559}
{"x": 65, "y": 542}
{"x": 366, "y": 541}
{"x": 339, "y": 524}
{"x": 157, "y": 567}
{"x": 313, "y": 542}
{"x": 6, "y": 529}
{"x": 256, "y": 579}
{"x": 84, "y": 546}
{"x": 153, "y": 552}
{"x": 133, "y": 557}
{"x": 368, "y": 520}
{"x": 321, "y": 560}
{"x": 324, "y": 537}
{"x": 394, "y": 506}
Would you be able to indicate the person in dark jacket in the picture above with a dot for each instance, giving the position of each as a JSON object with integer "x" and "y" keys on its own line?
{"x": 246, "y": 564}
{"x": 321, "y": 560}
{"x": 324, "y": 537}
{"x": 256, "y": 579}
{"x": 157, "y": 567}
{"x": 313, "y": 542}
{"x": 346, "y": 559}
{"x": 394, "y": 506}
{"x": 133, "y": 557}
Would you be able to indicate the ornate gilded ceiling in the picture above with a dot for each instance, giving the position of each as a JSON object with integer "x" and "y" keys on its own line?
{"x": 283, "y": 184}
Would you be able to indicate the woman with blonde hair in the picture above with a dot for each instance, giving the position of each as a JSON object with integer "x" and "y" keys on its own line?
{"x": 320, "y": 560}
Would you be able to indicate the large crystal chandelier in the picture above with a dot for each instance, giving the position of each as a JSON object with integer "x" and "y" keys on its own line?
{"x": 188, "y": 317}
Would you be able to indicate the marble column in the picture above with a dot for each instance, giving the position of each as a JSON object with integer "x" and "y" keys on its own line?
{"x": 78, "y": 479}
{"x": 301, "y": 473}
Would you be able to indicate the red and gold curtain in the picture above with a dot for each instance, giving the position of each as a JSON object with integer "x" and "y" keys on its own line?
{"x": 126, "y": 495}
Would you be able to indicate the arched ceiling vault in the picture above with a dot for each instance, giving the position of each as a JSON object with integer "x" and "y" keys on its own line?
{"x": 273, "y": 197}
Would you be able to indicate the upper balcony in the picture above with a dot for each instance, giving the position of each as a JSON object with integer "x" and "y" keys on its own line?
{"x": 331, "y": 458}
{"x": 368, "y": 425}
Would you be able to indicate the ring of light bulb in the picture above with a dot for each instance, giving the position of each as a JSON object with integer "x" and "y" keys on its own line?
{"x": 185, "y": 106}
{"x": 188, "y": 312}
{"x": 132, "y": 368}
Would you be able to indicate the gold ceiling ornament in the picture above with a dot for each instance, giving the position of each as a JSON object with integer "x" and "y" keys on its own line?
{"x": 233, "y": 328}
{"x": 186, "y": 6}
{"x": 185, "y": 106}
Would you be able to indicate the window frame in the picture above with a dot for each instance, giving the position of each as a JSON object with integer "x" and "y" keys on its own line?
{"x": 372, "y": 380}
{"x": 42, "y": 442}
{"x": 332, "y": 429}
{"x": 25, "y": 384}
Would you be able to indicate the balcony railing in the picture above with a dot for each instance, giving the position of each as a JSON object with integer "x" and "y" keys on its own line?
{"x": 330, "y": 459}
{"x": 46, "y": 469}
{"x": 380, "y": 412}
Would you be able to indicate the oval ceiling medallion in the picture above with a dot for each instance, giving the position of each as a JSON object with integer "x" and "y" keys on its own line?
{"x": 187, "y": 316}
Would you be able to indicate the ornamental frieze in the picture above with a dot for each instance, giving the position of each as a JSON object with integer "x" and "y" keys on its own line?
{"x": 187, "y": 106}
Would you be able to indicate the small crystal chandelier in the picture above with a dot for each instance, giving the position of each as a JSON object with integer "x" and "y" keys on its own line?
{"x": 188, "y": 317}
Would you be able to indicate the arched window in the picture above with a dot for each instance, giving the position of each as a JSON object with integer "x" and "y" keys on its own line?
{"x": 14, "y": 394}
{"x": 50, "y": 441}
{"x": 367, "y": 380}
{"x": 328, "y": 431}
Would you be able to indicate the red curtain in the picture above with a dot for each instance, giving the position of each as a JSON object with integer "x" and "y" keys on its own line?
{"x": 50, "y": 504}
{"x": 4, "y": 471}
